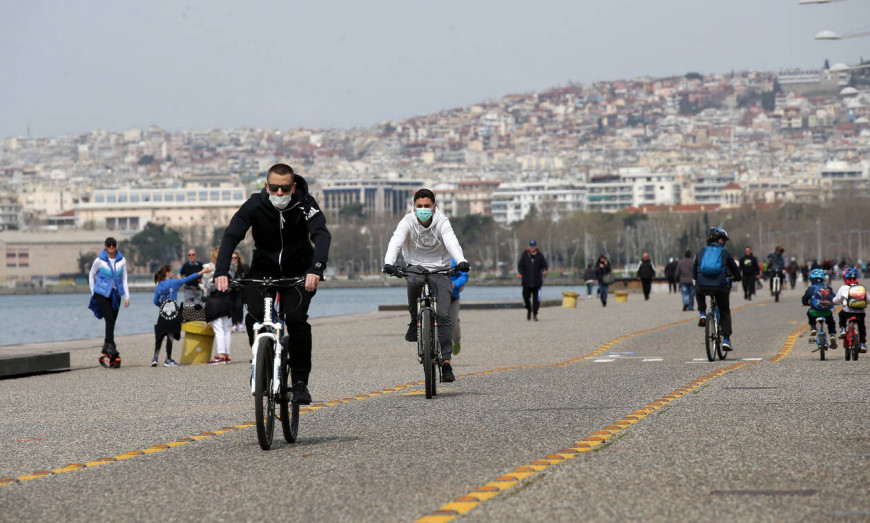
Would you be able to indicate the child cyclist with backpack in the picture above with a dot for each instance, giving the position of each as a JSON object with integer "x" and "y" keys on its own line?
{"x": 853, "y": 297}
{"x": 820, "y": 298}
{"x": 711, "y": 271}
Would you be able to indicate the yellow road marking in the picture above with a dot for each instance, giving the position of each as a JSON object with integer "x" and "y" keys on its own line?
{"x": 470, "y": 501}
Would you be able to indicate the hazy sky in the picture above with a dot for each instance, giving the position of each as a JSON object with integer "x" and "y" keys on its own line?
{"x": 75, "y": 65}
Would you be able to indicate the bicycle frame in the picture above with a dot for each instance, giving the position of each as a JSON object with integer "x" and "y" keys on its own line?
{"x": 273, "y": 330}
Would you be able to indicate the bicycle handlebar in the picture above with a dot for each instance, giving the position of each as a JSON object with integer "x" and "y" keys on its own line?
{"x": 268, "y": 282}
{"x": 402, "y": 272}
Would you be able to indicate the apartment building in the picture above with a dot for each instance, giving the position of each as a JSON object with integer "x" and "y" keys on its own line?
{"x": 379, "y": 197}
{"x": 511, "y": 202}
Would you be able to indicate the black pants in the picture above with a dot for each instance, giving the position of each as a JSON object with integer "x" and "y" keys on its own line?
{"x": 646, "y": 284}
{"x": 723, "y": 298}
{"x": 532, "y": 299}
{"x": 293, "y": 310}
{"x": 859, "y": 317}
{"x": 673, "y": 286}
{"x": 158, "y": 344}
{"x": 109, "y": 314}
{"x": 748, "y": 286}
{"x": 237, "y": 308}
{"x": 829, "y": 320}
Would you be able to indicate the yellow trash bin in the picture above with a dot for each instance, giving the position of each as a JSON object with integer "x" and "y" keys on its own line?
{"x": 198, "y": 340}
{"x": 569, "y": 300}
{"x": 621, "y": 296}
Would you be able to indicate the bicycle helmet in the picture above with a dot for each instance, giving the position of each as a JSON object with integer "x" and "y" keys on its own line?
{"x": 716, "y": 233}
{"x": 850, "y": 274}
{"x": 817, "y": 274}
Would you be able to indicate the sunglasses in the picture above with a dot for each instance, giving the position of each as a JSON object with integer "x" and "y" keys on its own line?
{"x": 111, "y": 245}
{"x": 235, "y": 257}
{"x": 273, "y": 187}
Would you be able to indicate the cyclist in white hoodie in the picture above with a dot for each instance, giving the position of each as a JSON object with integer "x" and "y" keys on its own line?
{"x": 426, "y": 240}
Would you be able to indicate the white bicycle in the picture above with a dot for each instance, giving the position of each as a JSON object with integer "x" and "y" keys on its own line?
{"x": 270, "y": 368}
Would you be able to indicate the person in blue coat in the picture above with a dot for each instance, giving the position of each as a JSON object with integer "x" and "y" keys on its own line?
{"x": 458, "y": 280}
{"x": 108, "y": 282}
{"x": 169, "y": 318}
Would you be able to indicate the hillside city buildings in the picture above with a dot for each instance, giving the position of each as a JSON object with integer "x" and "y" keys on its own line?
{"x": 641, "y": 145}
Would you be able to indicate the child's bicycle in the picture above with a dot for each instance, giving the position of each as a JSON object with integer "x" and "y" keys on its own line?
{"x": 821, "y": 339}
{"x": 852, "y": 343}
{"x": 270, "y": 369}
{"x": 776, "y": 284}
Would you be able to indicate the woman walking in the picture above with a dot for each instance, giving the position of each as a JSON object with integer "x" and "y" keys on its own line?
{"x": 604, "y": 275}
{"x": 108, "y": 283}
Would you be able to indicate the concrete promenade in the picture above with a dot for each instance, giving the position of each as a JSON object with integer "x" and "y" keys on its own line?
{"x": 593, "y": 413}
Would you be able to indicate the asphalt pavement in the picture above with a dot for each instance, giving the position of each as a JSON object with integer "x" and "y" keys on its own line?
{"x": 590, "y": 414}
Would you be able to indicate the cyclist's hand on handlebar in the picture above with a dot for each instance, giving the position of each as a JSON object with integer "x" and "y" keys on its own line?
{"x": 222, "y": 283}
{"x": 463, "y": 267}
{"x": 390, "y": 269}
{"x": 311, "y": 281}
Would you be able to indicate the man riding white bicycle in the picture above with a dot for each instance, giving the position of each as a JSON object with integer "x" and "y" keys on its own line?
{"x": 714, "y": 269}
{"x": 426, "y": 240}
{"x": 284, "y": 220}
{"x": 776, "y": 266}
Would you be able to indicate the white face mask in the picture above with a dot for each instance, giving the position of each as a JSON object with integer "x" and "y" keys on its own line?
{"x": 280, "y": 202}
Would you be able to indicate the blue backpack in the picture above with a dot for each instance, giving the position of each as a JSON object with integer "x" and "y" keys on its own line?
{"x": 822, "y": 298}
{"x": 712, "y": 263}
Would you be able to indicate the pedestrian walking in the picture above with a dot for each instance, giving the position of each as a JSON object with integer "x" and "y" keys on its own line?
{"x": 604, "y": 275}
{"x": 687, "y": 282}
{"x": 751, "y": 273}
{"x": 217, "y": 313}
{"x": 670, "y": 274}
{"x": 531, "y": 268}
{"x": 237, "y": 305}
{"x": 589, "y": 276}
{"x": 108, "y": 283}
{"x": 645, "y": 273}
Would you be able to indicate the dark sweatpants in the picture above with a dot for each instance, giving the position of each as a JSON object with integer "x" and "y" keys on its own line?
{"x": 829, "y": 320}
{"x": 646, "y": 284}
{"x": 532, "y": 299}
{"x": 723, "y": 298}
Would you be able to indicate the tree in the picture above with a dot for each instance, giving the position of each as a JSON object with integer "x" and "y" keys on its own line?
{"x": 146, "y": 160}
{"x": 154, "y": 246}
{"x": 85, "y": 261}
{"x": 694, "y": 76}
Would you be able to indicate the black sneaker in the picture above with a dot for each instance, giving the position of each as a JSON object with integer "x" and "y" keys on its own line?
{"x": 702, "y": 320}
{"x": 447, "y": 373}
{"x": 535, "y": 317}
{"x": 300, "y": 394}
{"x": 411, "y": 335}
{"x": 528, "y": 315}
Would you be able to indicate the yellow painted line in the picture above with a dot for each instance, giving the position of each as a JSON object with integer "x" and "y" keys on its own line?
{"x": 789, "y": 343}
{"x": 468, "y": 502}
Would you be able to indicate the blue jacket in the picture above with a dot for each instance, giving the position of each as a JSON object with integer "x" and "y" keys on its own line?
{"x": 168, "y": 289}
{"x": 107, "y": 276}
{"x": 458, "y": 280}
{"x": 731, "y": 270}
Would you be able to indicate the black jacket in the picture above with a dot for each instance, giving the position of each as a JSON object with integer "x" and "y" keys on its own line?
{"x": 531, "y": 267}
{"x": 749, "y": 265}
{"x": 645, "y": 270}
{"x": 282, "y": 239}
{"x": 671, "y": 270}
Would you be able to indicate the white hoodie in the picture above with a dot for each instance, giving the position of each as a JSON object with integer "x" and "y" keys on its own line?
{"x": 430, "y": 247}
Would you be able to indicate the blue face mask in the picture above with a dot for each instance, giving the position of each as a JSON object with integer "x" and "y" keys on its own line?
{"x": 424, "y": 214}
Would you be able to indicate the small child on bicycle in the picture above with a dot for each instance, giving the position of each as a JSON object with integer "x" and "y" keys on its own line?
{"x": 853, "y": 297}
{"x": 169, "y": 318}
{"x": 820, "y": 299}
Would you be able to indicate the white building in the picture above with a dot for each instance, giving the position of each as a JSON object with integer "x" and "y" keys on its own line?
{"x": 511, "y": 202}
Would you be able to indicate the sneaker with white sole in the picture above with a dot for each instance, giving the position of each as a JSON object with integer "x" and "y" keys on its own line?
{"x": 702, "y": 320}
{"x": 170, "y": 363}
{"x": 154, "y": 362}
{"x": 726, "y": 344}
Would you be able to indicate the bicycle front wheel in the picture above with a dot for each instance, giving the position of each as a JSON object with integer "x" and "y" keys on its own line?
{"x": 264, "y": 400}
{"x": 289, "y": 413}
{"x": 822, "y": 340}
{"x": 856, "y": 345}
{"x": 710, "y": 337}
{"x": 427, "y": 339}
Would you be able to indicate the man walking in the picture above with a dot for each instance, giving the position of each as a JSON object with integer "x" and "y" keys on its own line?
{"x": 645, "y": 273}
{"x": 531, "y": 269}
{"x": 192, "y": 291}
{"x": 751, "y": 272}
{"x": 687, "y": 281}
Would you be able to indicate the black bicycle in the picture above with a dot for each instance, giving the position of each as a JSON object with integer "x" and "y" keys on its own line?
{"x": 713, "y": 333}
{"x": 428, "y": 345}
{"x": 270, "y": 369}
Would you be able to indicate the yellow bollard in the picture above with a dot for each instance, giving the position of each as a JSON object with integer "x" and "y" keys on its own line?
{"x": 621, "y": 296}
{"x": 569, "y": 300}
